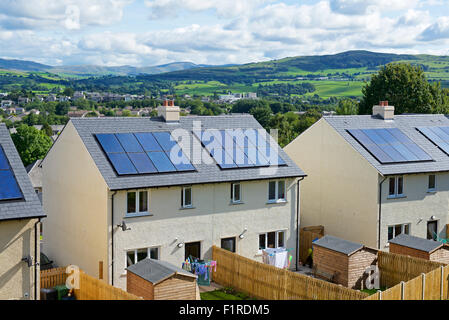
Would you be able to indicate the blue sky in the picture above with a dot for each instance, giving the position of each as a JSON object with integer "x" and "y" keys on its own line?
{"x": 152, "y": 32}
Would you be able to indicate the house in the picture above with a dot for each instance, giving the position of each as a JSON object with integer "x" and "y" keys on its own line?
{"x": 20, "y": 214}
{"x": 154, "y": 279}
{"x": 344, "y": 259}
{"x": 51, "y": 98}
{"x": 373, "y": 177}
{"x": 78, "y": 95}
{"x": 164, "y": 204}
{"x": 420, "y": 248}
{"x": 35, "y": 174}
{"x": 5, "y": 104}
{"x": 23, "y": 100}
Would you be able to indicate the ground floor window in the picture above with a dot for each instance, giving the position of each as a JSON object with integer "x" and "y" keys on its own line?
{"x": 396, "y": 230}
{"x": 136, "y": 255}
{"x": 275, "y": 239}
{"x": 228, "y": 244}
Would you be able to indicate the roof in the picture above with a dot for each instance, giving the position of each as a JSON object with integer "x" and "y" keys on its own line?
{"x": 30, "y": 206}
{"x": 156, "y": 271}
{"x": 35, "y": 173}
{"x": 407, "y": 124}
{"x": 205, "y": 173}
{"x": 416, "y": 243}
{"x": 338, "y": 245}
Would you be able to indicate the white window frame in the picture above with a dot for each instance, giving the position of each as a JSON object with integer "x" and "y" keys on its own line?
{"x": 396, "y": 186}
{"x": 402, "y": 229}
{"x": 276, "y": 193}
{"x": 276, "y": 239}
{"x": 233, "y": 200}
{"x": 138, "y": 212}
{"x": 183, "y": 195}
{"x": 434, "y": 189}
{"x": 135, "y": 254}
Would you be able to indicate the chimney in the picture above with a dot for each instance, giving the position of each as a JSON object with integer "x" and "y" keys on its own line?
{"x": 384, "y": 111}
{"x": 169, "y": 111}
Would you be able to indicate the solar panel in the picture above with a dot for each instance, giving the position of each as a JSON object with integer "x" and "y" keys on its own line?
{"x": 438, "y": 136}
{"x": 9, "y": 188}
{"x": 143, "y": 153}
{"x": 389, "y": 145}
{"x": 240, "y": 148}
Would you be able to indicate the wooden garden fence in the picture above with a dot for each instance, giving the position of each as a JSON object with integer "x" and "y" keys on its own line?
{"x": 90, "y": 288}
{"x": 395, "y": 268}
{"x": 268, "y": 282}
{"x": 306, "y": 236}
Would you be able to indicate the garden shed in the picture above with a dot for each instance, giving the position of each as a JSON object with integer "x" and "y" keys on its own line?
{"x": 420, "y": 248}
{"x": 342, "y": 261}
{"x": 159, "y": 280}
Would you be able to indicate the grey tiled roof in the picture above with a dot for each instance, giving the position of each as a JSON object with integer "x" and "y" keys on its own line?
{"x": 338, "y": 245}
{"x": 30, "y": 206}
{"x": 35, "y": 173}
{"x": 416, "y": 243}
{"x": 205, "y": 173}
{"x": 407, "y": 124}
{"x": 156, "y": 271}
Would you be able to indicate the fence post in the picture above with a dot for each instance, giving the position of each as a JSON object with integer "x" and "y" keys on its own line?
{"x": 402, "y": 290}
{"x": 423, "y": 285}
{"x": 380, "y": 294}
{"x": 442, "y": 282}
{"x": 100, "y": 270}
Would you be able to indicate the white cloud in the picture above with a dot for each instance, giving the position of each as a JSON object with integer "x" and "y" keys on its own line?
{"x": 436, "y": 31}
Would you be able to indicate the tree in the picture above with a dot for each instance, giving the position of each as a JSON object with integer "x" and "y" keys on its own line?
{"x": 404, "y": 86}
{"x": 262, "y": 115}
{"x": 244, "y": 105}
{"x": 47, "y": 129}
{"x": 31, "y": 143}
{"x": 62, "y": 108}
{"x": 68, "y": 92}
{"x": 347, "y": 107}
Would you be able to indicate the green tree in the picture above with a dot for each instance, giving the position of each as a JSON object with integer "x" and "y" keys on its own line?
{"x": 404, "y": 86}
{"x": 62, "y": 108}
{"x": 47, "y": 129}
{"x": 31, "y": 143}
{"x": 347, "y": 107}
{"x": 262, "y": 115}
{"x": 68, "y": 92}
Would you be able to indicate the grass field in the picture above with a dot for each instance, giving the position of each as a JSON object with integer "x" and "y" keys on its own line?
{"x": 224, "y": 294}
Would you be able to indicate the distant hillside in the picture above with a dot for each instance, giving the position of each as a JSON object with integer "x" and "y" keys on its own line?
{"x": 22, "y": 65}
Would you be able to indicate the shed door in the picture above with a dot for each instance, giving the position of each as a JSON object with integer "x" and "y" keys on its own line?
{"x": 193, "y": 249}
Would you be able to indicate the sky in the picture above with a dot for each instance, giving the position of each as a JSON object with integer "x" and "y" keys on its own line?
{"x": 215, "y": 32}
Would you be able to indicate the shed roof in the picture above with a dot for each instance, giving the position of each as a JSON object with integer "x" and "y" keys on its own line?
{"x": 156, "y": 271}
{"x": 339, "y": 245}
{"x": 407, "y": 123}
{"x": 416, "y": 243}
{"x": 205, "y": 172}
{"x": 30, "y": 206}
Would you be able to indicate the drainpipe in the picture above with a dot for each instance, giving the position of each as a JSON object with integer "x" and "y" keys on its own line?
{"x": 112, "y": 238}
{"x": 380, "y": 211}
{"x": 35, "y": 258}
{"x": 297, "y": 222}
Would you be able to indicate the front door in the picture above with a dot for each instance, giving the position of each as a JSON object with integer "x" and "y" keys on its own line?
{"x": 193, "y": 249}
{"x": 432, "y": 230}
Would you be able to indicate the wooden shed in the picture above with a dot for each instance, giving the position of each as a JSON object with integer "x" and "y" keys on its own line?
{"x": 159, "y": 280}
{"x": 346, "y": 261}
{"x": 420, "y": 248}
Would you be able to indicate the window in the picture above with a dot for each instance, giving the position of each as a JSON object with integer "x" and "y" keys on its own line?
{"x": 186, "y": 197}
{"x": 273, "y": 239}
{"x": 276, "y": 191}
{"x": 431, "y": 186}
{"x": 134, "y": 256}
{"x": 396, "y": 230}
{"x": 137, "y": 202}
{"x": 228, "y": 244}
{"x": 396, "y": 187}
{"x": 236, "y": 196}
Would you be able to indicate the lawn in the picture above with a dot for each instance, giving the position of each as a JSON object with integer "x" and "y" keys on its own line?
{"x": 373, "y": 291}
{"x": 225, "y": 294}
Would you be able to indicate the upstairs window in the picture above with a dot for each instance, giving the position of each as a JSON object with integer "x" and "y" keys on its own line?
{"x": 186, "y": 197}
{"x": 236, "y": 196}
{"x": 432, "y": 183}
{"x": 137, "y": 202}
{"x": 276, "y": 191}
{"x": 396, "y": 187}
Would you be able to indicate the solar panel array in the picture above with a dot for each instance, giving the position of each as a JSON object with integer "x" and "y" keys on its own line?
{"x": 9, "y": 188}
{"x": 438, "y": 135}
{"x": 143, "y": 153}
{"x": 233, "y": 149}
{"x": 389, "y": 145}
